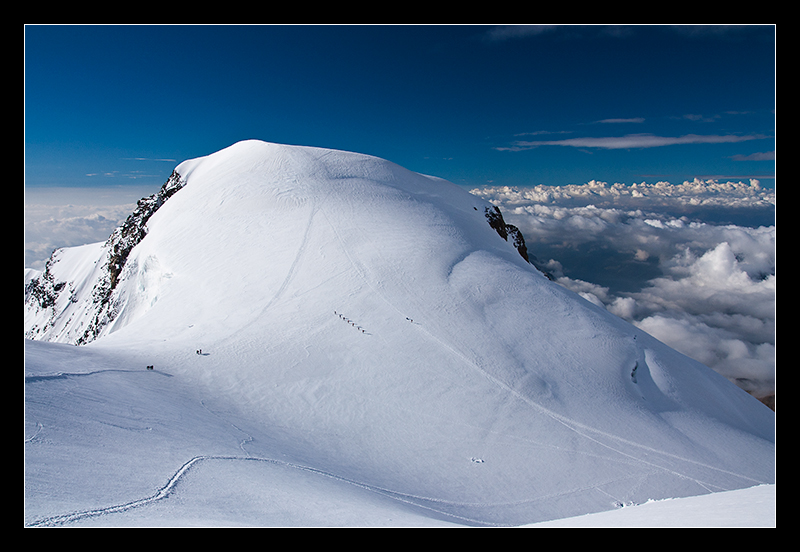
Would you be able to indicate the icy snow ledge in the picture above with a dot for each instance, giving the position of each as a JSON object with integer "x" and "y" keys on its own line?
{"x": 753, "y": 507}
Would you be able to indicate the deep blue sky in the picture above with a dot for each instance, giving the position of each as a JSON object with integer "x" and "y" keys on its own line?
{"x": 122, "y": 105}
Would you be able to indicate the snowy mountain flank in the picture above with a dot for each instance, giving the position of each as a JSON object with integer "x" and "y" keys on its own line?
{"x": 288, "y": 335}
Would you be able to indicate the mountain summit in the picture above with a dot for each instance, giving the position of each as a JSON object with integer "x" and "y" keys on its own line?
{"x": 62, "y": 310}
{"x": 389, "y": 329}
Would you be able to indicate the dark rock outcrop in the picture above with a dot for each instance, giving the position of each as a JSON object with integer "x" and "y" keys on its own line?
{"x": 506, "y": 231}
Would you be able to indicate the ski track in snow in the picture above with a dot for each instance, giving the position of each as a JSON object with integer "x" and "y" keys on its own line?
{"x": 414, "y": 500}
{"x": 65, "y": 375}
{"x": 300, "y": 250}
{"x": 32, "y": 438}
{"x": 167, "y": 490}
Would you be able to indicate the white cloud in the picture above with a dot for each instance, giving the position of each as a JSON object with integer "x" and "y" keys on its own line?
{"x": 693, "y": 193}
{"x": 46, "y": 229}
{"x": 629, "y": 120}
{"x": 631, "y": 141}
{"x": 759, "y": 156}
{"x": 506, "y": 32}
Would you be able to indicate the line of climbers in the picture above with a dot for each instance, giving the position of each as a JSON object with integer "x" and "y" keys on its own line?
{"x": 356, "y": 326}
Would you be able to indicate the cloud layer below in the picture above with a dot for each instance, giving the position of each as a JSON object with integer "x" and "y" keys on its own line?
{"x": 692, "y": 264}
{"x": 65, "y": 217}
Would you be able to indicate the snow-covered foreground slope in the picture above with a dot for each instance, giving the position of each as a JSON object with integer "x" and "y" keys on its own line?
{"x": 373, "y": 353}
{"x": 111, "y": 444}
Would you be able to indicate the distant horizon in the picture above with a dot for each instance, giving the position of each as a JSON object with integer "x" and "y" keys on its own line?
{"x": 66, "y": 216}
{"x": 120, "y": 180}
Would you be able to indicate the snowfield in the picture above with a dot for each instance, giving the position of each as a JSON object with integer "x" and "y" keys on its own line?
{"x": 337, "y": 341}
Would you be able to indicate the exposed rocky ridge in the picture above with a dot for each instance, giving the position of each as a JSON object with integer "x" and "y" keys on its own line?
{"x": 134, "y": 229}
{"x": 42, "y": 295}
{"x": 44, "y": 289}
{"x": 44, "y": 292}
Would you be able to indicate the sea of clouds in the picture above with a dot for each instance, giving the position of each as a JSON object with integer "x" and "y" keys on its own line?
{"x": 66, "y": 217}
{"x": 692, "y": 264}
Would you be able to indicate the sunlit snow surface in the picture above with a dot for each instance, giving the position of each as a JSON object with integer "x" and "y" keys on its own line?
{"x": 373, "y": 353}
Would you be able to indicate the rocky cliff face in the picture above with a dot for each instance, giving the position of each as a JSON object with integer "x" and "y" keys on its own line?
{"x": 47, "y": 298}
{"x": 133, "y": 231}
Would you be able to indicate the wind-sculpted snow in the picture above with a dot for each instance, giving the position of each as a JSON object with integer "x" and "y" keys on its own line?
{"x": 368, "y": 340}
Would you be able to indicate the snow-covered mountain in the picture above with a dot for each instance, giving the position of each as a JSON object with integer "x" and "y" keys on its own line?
{"x": 329, "y": 328}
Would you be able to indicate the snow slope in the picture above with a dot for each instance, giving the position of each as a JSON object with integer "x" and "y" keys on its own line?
{"x": 373, "y": 353}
